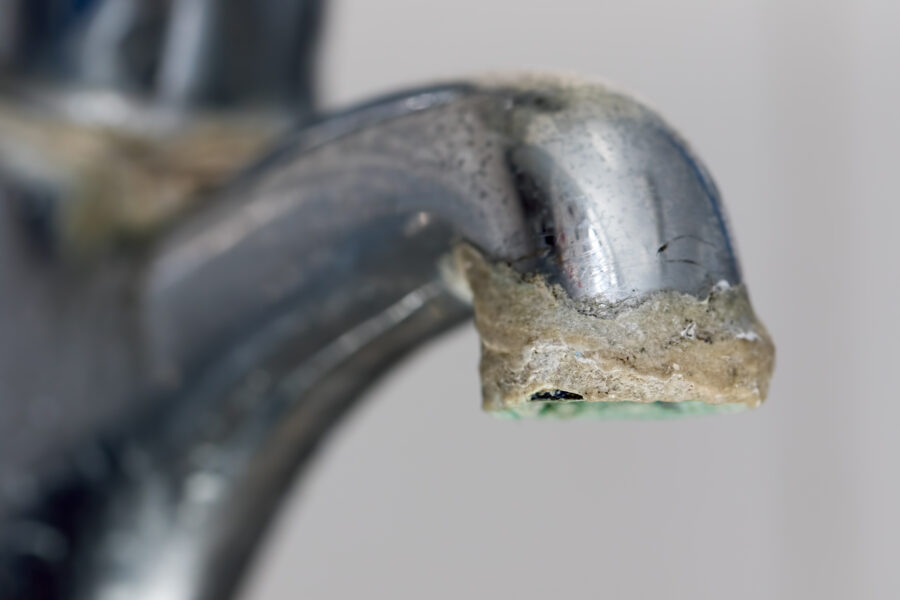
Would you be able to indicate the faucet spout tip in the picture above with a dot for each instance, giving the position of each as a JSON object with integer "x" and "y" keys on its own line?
{"x": 666, "y": 354}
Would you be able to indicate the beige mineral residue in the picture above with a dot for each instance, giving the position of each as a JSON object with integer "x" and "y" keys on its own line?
{"x": 669, "y": 347}
{"x": 120, "y": 183}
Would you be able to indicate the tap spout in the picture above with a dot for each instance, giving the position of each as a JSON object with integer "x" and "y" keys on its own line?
{"x": 589, "y": 239}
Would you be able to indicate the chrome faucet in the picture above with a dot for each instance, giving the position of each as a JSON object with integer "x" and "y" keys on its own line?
{"x": 182, "y": 323}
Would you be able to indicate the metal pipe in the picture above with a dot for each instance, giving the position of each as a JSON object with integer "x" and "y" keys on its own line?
{"x": 253, "y": 326}
{"x": 175, "y": 340}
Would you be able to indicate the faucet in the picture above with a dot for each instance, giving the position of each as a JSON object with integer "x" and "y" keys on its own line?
{"x": 200, "y": 275}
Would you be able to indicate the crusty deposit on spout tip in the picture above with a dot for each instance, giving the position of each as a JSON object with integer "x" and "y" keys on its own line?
{"x": 544, "y": 353}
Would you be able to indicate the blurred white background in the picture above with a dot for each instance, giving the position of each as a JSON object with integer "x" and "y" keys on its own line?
{"x": 794, "y": 107}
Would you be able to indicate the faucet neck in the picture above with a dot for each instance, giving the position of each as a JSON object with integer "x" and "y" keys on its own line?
{"x": 262, "y": 317}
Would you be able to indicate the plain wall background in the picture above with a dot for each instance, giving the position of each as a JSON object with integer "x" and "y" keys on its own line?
{"x": 793, "y": 106}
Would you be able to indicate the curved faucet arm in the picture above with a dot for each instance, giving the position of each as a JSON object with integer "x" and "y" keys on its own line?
{"x": 321, "y": 210}
{"x": 572, "y": 181}
{"x": 261, "y": 319}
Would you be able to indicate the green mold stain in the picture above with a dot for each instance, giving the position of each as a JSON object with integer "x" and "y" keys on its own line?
{"x": 577, "y": 409}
